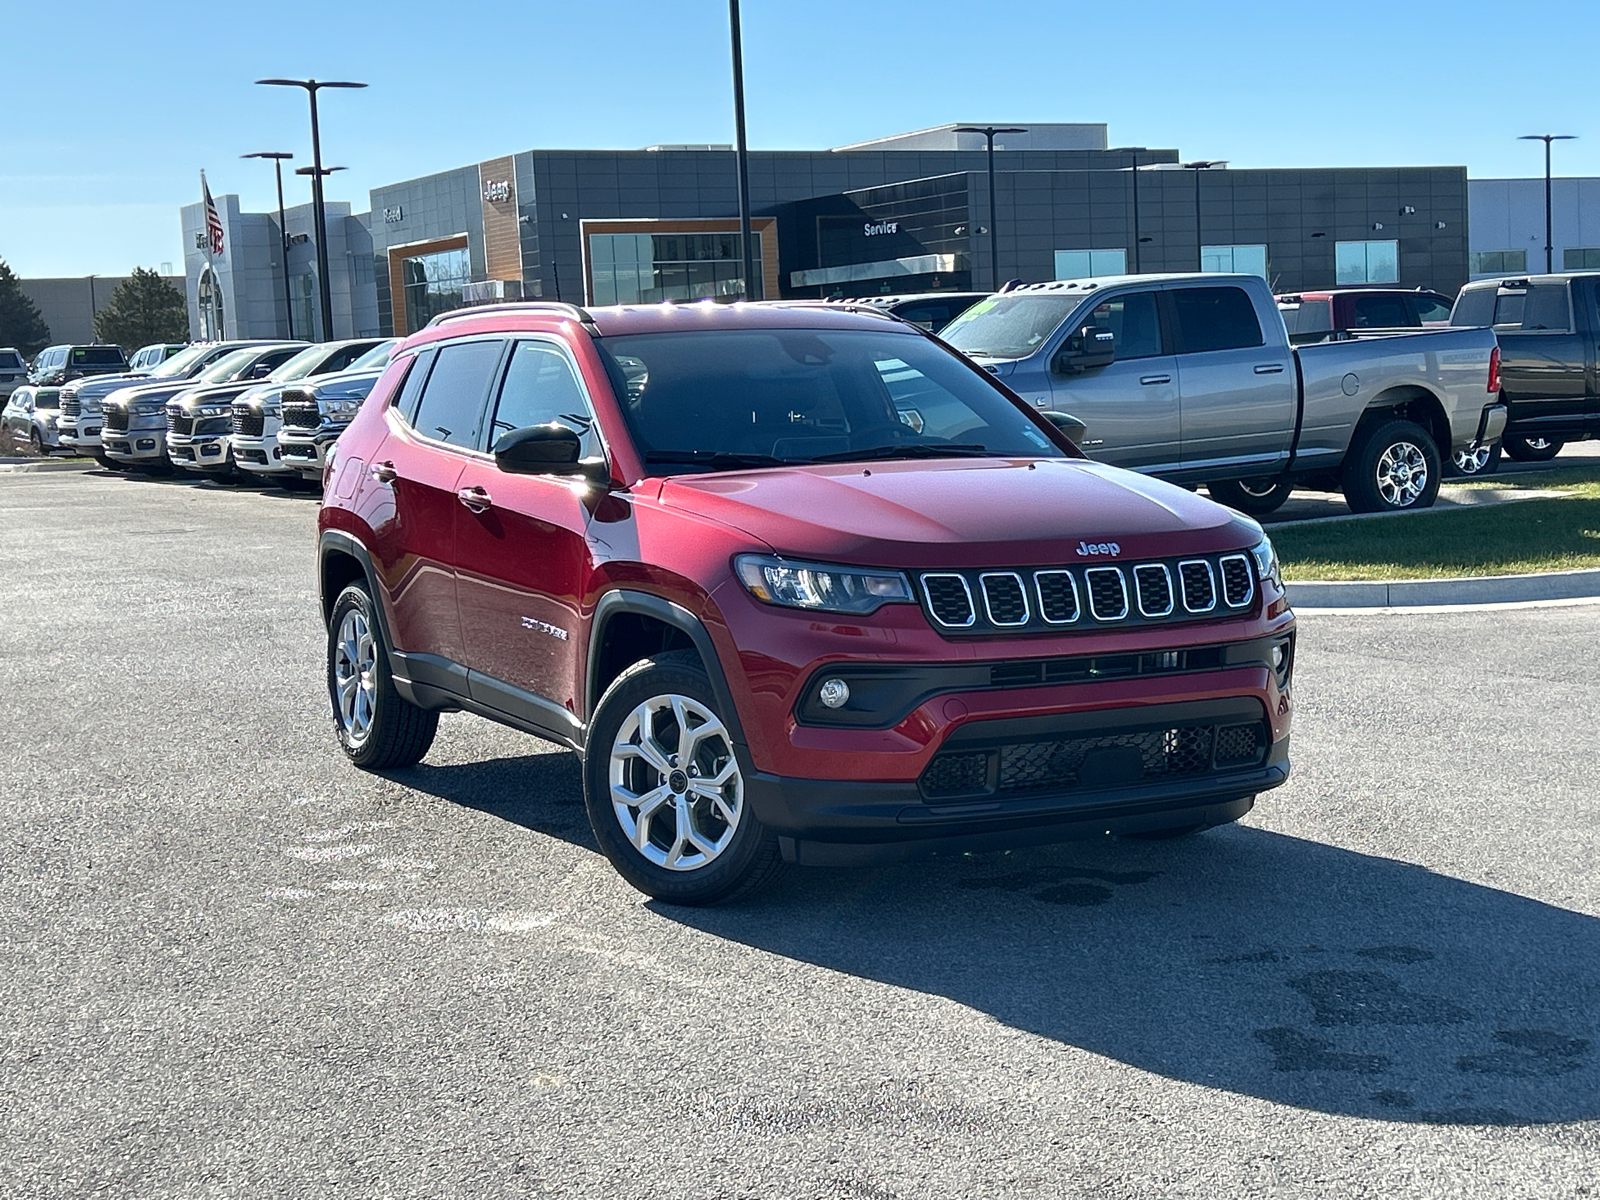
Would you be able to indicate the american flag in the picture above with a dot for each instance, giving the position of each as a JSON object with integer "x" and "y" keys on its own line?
{"x": 213, "y": 221}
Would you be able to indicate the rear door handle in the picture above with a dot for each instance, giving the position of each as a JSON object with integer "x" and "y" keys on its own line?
{"x": 475, "y": 498}
{"x": 1269, "y": 368}
{"x": 384, "y": 472}
{"x": 1147, "y": 380}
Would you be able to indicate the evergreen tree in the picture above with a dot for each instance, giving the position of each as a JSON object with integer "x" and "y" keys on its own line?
{"x": 144, "y": 309}
{"x": 21, "y": 325}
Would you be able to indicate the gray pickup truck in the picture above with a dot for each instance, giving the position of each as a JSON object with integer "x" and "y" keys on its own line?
{"x": 1192, "y": 378}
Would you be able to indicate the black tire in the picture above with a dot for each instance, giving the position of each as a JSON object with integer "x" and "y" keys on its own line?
{"x": 1387, "y": 447}
{"x": 746, "y": 857}
{"x": 397, "y": 733}
{"x": 35, "y": 443}
{"x": 1531, "y": 449}
{"x": 1473, "y": 464}
{"x": 1258, "y": 497}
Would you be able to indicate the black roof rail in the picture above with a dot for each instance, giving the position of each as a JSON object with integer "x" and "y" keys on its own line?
{"x": 581, "y": 315}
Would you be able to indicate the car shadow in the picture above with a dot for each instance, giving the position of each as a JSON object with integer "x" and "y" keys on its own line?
{"x": 1241, "y": 959}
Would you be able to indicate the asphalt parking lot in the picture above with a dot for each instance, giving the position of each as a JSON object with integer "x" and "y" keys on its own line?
{"x": 232, "y": 965}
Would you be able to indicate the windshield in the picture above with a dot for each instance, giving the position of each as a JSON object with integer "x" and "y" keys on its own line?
{"x": 178, "y": 365}
{"x": 9, "y": 361}
{"x": 47, "y": 398}
{"x": 725, "y": 399}
{"x": 224, "y": 369}
{"x": 378, "y": 356}
{"x": 302, "y": 364}
{"x": 1009, "y": 326}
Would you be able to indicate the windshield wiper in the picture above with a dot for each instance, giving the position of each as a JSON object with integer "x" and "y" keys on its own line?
{"x": 942, "y": 450}
{"x": 716, "y": 458}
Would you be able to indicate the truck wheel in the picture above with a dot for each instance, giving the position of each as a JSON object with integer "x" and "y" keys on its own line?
{"x": 1532, "y": 449}
{"x": 1485, "y": 460}
{"x": 35, "y": 443}
{"x": 1395, "y": 468}
{"x": 665, "y": 788}
{"x": 1258, "y": 497}
{"x": 377, "y": 727}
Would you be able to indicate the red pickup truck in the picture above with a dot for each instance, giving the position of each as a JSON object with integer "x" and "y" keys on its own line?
{"x": 799, "y": 583}
{"x": 1349, "y": 312}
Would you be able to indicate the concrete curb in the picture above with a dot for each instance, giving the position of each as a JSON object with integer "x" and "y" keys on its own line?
{"x": 1420, "y": 593}
{"x": 46, "y": 464}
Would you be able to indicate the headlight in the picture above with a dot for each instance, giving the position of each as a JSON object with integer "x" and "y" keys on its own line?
{"x": 819, "y": 587}
{"x": 1267, "y": 562}
{"x": 340, "y": 406}
{"x": 213, "y": 410}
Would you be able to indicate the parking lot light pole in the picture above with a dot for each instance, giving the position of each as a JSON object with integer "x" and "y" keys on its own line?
{"x": 1200, "y": 164}
{"x": 312, "y": 87}
{"x": 741, "y": 150}
{"x": 318, "y": 174}
{"x": 988, "y": 132}
{"x": 277, "y": 157}
{"x": 1547, "y": 138}
{"x": 1135, "y": 151}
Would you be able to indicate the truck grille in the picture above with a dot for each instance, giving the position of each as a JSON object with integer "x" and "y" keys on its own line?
{"x": 116, "y": 418}
{"x": 1106, "y": 760}
{"x": 179, "y": 423}
{"x": 71, "y": 406}
{"x": 1082, "y": 598}
{"x": 301, "y": 414}
{"x": 248, "y": 422}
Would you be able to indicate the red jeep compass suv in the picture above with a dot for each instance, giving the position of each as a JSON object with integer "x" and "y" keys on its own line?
{"x": 799, "y": 583}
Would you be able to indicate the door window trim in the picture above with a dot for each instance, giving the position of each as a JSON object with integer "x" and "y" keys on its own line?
{"x": 454, "y": 447}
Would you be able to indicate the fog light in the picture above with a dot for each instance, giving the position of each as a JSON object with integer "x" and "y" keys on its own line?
{"x": 834, "y": 693}
{"x": 1277, "y": 656}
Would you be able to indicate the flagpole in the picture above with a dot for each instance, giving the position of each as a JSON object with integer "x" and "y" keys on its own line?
{"x": 205, "y": 221}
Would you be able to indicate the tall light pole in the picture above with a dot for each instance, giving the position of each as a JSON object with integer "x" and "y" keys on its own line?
{"x": 93, "y": 336}
{"x": 318, "y": 174}
{"x": 741, "y": 149}
{"x": 1135, "y": 151}
{"x": 277, "y": 157}
{"x": 988, "y": 132}
{"x": 1547, "y": 138}
{"x": 1200, "y": 164}
{"x": 312, "y": 87}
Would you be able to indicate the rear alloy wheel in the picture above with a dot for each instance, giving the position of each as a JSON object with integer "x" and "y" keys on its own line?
{"x": 1258, "y": 497}
{"x": 1485, "y": 460}
{"x": 1532, "y": 449}
{"x": 378, "y": 728}
{"x": 666, "y": 791}
{"x": 1395, "y": 468}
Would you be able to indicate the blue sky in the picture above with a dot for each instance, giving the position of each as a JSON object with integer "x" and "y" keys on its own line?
{"x": 112, "y": 109}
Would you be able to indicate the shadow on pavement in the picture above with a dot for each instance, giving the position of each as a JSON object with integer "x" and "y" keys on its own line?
{"x": 541, "y": 792}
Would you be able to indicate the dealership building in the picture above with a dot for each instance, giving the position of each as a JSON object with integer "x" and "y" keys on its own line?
{"x": 909, "y": 212}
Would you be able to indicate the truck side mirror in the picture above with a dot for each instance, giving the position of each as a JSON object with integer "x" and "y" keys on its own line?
{"x": 1067, "y": 424}
{"x": 1092, "y": 346}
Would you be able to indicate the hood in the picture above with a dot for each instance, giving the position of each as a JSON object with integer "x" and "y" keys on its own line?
{"x": 104, "y": 385}
{"x": 343, "y": 385}
{"x": 961, "y": 513}
{"x": 263, "y": 395}
{"x": 130, "y": 394}
{"x": 211, "y": 393}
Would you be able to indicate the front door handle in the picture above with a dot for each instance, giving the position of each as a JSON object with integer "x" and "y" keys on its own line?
{"x": 1269, "y": 368}
{"x": 1148, "y": 380}
{"x": 384, "y": 472}
{"x": 475, "y": 498}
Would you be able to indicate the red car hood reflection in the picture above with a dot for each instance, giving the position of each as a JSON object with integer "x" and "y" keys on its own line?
{"x": 961, "y": 513}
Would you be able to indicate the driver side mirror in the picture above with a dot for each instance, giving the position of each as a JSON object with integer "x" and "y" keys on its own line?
{"x": 1092, "y": 346}
{"x": 1067, "y": 424}
{"x": 260, "y": 370}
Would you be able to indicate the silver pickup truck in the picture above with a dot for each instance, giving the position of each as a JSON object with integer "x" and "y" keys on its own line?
{"x": 1192, "y": 378}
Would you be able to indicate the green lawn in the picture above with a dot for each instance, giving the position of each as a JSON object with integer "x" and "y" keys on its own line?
{"x": 1504, "y": 539}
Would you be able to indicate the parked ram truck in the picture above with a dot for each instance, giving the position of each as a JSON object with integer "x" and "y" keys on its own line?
{"x": 314, "y": 415}
{"x": 81, "y": 415}
{"x": 798, "y": 583}
{"x": 200, "y": 420}
{"x": 258, "y": 413}
{"x": 1343, "y": 313}
{"x": 1548, "y": 326}
{"x": 134, "y": 435}
{"x": 1191, "y": 378}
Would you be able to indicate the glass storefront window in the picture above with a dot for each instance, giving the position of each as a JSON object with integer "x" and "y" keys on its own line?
{"x": 646, "y": 268}
{"x": 1089, "y": 264}
{"x": 1367, "y": 262}
{"x": 433, "y": 284}
{"x": 1502, "y": 262}
{"x": 1234, "y": 260}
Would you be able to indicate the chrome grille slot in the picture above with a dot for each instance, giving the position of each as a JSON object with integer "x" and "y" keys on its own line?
{"x": 1108, "y": 593}
{"x": 116, "y": 418}
{"x": 71, "y": 406}
{"x": 1058, "y": 596}
{"x": 1004, "y": 599}
{"x": 1153, "y": 583}
{"x": 949, "y": 596}
{"x": 179, "y": 422}
{"x": 1238, "y": 585}
{"x": 248, "y": 422}
{"x": 301, "y": 414}
{"x": 1199, "y": 585}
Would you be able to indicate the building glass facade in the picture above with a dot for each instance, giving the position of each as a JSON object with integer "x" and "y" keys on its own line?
{"x": 433, "y": 284}
{"x": 1234, "y": 260}
{"x": 1089, "y": 264}
{"x": 647, "y": 268}
{"x": 1367, "y": 262}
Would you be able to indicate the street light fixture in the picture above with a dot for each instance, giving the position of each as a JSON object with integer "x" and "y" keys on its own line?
{"x": 312, "y": 87}
{"x": 1547, "y": 138}
{"x": 277, "y": 157}
{"x": 1200, "y": 164}
{"x": 989, "y": 132}
{"x": 1135, "y": 151}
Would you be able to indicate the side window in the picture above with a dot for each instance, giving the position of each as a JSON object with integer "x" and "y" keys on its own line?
{"x": 541, "y": 388}
{"x": 1546, "y": 308}
{"x": 406, "y": 399}
{"x": 1215, "y": 318}
{"x": 1432, "y": 311}
{"x": 1508, "y": 308}
{"x": 1133, "y": 319}
{"x": 452, "y": 401}
{"x": 1380, "y": 312}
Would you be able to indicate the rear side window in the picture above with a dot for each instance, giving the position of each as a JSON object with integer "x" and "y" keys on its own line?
{"x": 541, "y": 388}
{"x": 1508, "y": 308}
{"x": 1380, "y": 312}
{"x": 1431, "y": 310}
{"x": 1133, "y": 319}
{"x": 1474, "y": 307}
{"x": 1216, "y": 318}
{"x": 1546, "y": 308}
{"x": 1307, "y": 316}
{"x": 411, "y": 389}
{"x": 453, "y": 398}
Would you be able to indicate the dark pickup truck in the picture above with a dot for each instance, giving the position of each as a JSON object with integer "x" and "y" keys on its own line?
{"x": 1547, "y": 327}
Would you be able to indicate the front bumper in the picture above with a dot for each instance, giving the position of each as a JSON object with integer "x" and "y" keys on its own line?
{"x": 260, "y": 455}
{"x": 80, "y": 433}
{"x": 135, "y": 445}
{"x": 199, "y": 451}
{"x": 306, "y": 452}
